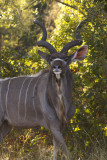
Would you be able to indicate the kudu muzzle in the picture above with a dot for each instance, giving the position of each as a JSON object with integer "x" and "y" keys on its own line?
{"x": 58, "y": 67}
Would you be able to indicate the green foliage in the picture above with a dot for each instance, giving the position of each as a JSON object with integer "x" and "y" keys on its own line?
{"x": 18, "y": 37}
{"x": 87, "y": 131}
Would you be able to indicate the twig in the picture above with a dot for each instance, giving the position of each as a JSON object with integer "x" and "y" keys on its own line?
{"x": 30, "y": 5}
{"x": 71, "y": 6}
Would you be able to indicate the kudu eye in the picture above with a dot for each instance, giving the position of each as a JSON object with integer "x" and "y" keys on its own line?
{"x": 51, "y": 59}
{"x": 66, "y": 59}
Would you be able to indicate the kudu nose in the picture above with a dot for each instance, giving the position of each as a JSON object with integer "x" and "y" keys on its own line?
{"x": 57, "y": 67}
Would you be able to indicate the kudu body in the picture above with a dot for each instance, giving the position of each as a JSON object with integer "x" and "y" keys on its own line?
{"x": 44, "y": 99}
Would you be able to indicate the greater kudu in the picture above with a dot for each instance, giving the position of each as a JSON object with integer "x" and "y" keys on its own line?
{"x": 44, "y": 99}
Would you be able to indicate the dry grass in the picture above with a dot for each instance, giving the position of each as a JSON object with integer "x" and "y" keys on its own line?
{"x": 45, "y": 153}
{"x": 98, "y": 154}
{"x": 28, "y": 146}
{"x": 42, "y": 153}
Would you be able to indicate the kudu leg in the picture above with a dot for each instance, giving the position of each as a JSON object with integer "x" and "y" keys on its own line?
{"x": 4, "y": 130}
{"x": 59, "y": 142}
{"x": 1, "y": 117}
{"x": 55, "y": 149}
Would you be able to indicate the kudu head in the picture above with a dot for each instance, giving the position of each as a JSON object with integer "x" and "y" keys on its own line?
{"x": 60, "y": 60}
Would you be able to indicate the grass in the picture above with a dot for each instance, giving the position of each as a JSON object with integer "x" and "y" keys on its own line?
{"x": 30, "y": 145}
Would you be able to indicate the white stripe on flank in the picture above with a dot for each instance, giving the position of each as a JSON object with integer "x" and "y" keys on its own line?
{"x": 26, "y": 95}
{"x": 7, "y": 96}
{"x": 34, "y": 95}
{"x": 0, "y": 97}
{"x": 20, "y": 95}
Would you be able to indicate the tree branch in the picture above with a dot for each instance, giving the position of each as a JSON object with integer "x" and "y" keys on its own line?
{"x": 30, "y": 4}
{"x": 71, "y": 6}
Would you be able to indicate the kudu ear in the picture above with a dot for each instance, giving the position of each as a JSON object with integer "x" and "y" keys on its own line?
{"x": 44, "y": 55}
{"x": 80, "y": 54}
